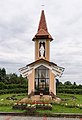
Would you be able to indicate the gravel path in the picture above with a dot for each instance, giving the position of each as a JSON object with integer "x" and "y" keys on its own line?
{"x": 34, "y": 118}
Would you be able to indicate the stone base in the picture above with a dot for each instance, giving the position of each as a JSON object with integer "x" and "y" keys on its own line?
{"x": 36, "y": 98}
{"x": 39, "y": 98}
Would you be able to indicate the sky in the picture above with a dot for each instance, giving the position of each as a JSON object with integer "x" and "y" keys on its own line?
{"x": 19, "y": 21}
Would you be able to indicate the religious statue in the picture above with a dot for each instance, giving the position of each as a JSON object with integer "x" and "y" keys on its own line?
{"x": 42, "y": 50}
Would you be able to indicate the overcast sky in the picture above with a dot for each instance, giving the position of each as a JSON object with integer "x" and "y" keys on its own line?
{"x": 19, "y": 21}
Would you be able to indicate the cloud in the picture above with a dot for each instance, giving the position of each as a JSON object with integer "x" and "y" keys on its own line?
{"x": 19, "y": 22}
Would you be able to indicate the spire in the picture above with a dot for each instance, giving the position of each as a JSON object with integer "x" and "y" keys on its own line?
{"x": 42, "y": 23}
{"x": 42, "y": 28}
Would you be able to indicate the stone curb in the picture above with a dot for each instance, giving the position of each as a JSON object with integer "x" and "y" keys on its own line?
{"x": 60, "y": 115}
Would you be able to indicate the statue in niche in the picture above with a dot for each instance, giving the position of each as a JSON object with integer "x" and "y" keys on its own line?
{"x": 42, "y": 50}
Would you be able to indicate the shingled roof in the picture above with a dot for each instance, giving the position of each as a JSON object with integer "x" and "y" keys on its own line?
{"x": 42, "y": 28}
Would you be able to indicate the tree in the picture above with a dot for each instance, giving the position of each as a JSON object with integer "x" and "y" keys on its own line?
{"x": 67, "y": 83}
{"x": 11, "y": 78}
{"x": 2, "y": 85}
{"x": 74, "y": 83}
{"x": 57, "y": 82}
{"x": 60, "y": 83}
{"x": 2, "y": 74}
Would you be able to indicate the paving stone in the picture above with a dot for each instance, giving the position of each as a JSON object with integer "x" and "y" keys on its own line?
{"x": 34, "y": 118}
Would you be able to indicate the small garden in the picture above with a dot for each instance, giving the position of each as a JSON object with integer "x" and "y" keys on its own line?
{"x": 33, "y": 106}
{"x": 69, "y": 104}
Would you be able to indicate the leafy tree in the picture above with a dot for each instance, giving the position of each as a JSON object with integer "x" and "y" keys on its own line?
{"x": 2, "y": 85}
{"x": 80, "y": 86}
{"x": 74, "y": 83}
{"x": 60, "y": 83}
{"x": 67, "y": 83}
{"x": 22, "y": 80}
{"x": 2, "y": 74}
{"x": 57, "y": 82}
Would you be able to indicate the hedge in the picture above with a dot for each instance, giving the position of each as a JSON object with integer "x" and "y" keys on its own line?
{"x": 70, "y": 91}
{"x": 16, "y": 90}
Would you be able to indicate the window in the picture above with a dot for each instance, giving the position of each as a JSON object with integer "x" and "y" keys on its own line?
{"x": 42, "y": 79}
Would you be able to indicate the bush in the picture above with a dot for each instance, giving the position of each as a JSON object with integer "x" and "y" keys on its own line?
{"x": 16, "y": 90}
{"x": 69, "y": 91}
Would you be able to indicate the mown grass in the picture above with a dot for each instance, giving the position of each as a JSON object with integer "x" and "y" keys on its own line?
{"x": 6, "y": 105}
{"x": 4, "y": 101}
{"x": 19, "y": 96}
{"x": 9, "y": 109}
{"x": 61, "y": 109}
{"x": 71, "y": 98}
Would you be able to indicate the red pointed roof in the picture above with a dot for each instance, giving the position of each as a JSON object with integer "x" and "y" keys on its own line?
{"x": 42, "y": 23}
{"x": 42, "y": 28}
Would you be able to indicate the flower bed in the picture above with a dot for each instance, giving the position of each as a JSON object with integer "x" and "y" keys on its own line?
{"x": 33, "y": 105}
{"x": 44, "y": 106}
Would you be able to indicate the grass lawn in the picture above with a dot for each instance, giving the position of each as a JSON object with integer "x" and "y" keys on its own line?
{"x": 9, "y": 109}
{"x": 19, "y": 96}
{"x": 6, "y": 105}
{"x": 68, "y": 99}
{"x": 61, "y": 109}
{"x": 71, "y": 97}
